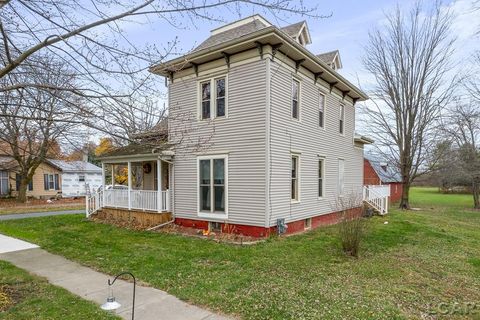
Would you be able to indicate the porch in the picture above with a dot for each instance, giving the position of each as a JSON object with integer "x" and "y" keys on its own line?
{"x": 136, "y": 183}
{"x": 377, "y": 196}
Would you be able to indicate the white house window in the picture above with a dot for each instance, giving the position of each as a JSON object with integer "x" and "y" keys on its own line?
{"x": 205, "y": 87}
{"x": 294, "y": 178}
{"x": 213, "y": 96}
{"x": 3, "y": 182}
{"x": 321, "y": 177}
{"x": 212, "y": 184}
{"x": 342, "y": 119}
{"x": 51, "y": 182}
{"x": 81, "y": 178}
{"x": 220, "y": 97}
{"x": 295, "y": 102}
{"x": 341, "y": 177}
{"x": 321, "y": 111}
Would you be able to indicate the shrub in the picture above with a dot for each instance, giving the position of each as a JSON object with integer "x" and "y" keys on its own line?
{"x": 352, "y": 229}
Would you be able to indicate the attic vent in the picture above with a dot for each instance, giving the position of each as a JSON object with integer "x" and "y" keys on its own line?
{"x": 384, "y": 166}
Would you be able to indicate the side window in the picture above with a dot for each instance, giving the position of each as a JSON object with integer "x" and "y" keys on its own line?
{"x": 212, "y": 185}
{"x": 295, "y": 99}
{"x": 81, "y": 178}
{"x": 205, "y": 87}
{"x": 294, "y": 178}
{"x": 342, "y": 119}
{"x": 220, "y": 96}
{"x": 321, "y": 177}
{"x": 321, "y": 110}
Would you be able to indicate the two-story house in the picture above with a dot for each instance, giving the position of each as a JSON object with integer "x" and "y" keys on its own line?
{"x": 261, "y": 132}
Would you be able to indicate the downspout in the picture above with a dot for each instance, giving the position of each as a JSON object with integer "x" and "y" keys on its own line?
{"x": 267, "y": 140}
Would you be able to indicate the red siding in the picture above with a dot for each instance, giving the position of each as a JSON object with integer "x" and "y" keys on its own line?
{"x": 369, "y": 175}
{"x": 395, "y": 191}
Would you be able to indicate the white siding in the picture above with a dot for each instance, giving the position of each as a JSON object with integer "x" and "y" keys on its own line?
{"x": 241, "y": 136}
{"x": 71, "y": 186}
{"x": 307, "y": 138}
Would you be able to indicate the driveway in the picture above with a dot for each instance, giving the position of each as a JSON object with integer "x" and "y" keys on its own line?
{"x": 4, "y": 217}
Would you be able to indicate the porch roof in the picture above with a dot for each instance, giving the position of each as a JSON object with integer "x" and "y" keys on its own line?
{"x": 138, "y": 150}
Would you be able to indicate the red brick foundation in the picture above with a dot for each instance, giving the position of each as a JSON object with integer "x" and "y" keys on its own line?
{"x": 262, "y": 232}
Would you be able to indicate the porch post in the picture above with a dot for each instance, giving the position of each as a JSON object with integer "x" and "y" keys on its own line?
{"x": 129, "y": 185}
{"x": 103, "y": 184}
{"x": 159, "y": 185}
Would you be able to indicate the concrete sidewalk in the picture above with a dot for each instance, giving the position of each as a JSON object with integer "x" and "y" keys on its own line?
{"x": 92, "y": 285}
{"x": 4, "y": 217}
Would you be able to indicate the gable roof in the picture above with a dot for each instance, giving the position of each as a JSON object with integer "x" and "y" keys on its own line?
{"x": 75, "y": 166}
{"x": 387, "y": 173}
{"x": 7, "y": 162}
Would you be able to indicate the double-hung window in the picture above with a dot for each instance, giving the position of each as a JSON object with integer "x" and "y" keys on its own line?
{"x": 341, "y": 177}
{"x": 295, "y": 178}
{"x": 212, "y": 184}
{"x": 213, "y": 93}
{"x": 341, "y": 127}
{"x": 321, "y": 177}
{"x": 321, "y": 110}
{"x": 295, "y": 99}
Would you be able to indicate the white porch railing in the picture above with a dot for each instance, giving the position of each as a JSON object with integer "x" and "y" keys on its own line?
{"x": 119, "y": 198}
{"x": 377, "y": 197}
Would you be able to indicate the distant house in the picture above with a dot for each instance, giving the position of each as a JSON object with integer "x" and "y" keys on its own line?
{"x": 46, "y": 182}
{"x": 379, "y": 172}
{"x": 78, "y": 177}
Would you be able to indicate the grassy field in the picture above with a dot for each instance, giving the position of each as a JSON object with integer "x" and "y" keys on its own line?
{"x": 10, "y": 206}
{"x": 26, "y": 297}
{"x": 420, "y": 259}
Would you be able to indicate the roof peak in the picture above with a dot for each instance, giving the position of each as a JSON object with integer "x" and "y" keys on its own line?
{"x": 238, "y": 23}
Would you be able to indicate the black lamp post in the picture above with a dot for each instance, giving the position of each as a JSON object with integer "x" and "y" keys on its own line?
{"x": 111, "y": 304}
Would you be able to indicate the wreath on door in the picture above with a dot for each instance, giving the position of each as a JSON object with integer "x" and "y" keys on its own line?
{"x": 147, "y": 168}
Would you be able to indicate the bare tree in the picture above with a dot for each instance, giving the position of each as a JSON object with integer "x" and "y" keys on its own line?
{"x": 409, "y": 58}
{"x": 34, "y": 120}
{"x": 463, "y": 128}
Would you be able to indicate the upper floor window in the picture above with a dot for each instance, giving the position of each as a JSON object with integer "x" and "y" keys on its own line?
{"x": 321, "y": 111}
{"x": 341, "y": 128}
{"x": 213, "y": 98}
{"x": 295, "y": 96}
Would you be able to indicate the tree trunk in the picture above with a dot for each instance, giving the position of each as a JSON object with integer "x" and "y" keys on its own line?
{"x": 476, "y": 193}
{"x": 404, "y": 202}
{"x": 22, "y": 191}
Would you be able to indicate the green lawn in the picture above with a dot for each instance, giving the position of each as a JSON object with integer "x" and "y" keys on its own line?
{"x": 34, "y": 298}
{"x": 418, "y": 260}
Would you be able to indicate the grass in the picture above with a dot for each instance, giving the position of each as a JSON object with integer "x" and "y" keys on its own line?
{"x": 26, "y": 297}
{"x": 406, "y": 267}
{"x": 46, "y": 208}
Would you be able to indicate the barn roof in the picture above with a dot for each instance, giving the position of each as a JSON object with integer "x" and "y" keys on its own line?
{"x": 387, "y": 172}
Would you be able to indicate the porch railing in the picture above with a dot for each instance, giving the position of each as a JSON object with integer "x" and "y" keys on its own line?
{"x": 377, "y": 197}
{"x": 149, "y": 200}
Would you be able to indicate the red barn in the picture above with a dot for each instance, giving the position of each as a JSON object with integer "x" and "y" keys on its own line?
{"x": 376, "y": 172}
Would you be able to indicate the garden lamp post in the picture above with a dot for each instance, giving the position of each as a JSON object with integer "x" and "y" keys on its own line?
{"x": 111, "y": 304}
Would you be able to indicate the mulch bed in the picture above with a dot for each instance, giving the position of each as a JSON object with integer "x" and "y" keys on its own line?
{"x": 12, "y": 203}
{"x": 8, "y": 297}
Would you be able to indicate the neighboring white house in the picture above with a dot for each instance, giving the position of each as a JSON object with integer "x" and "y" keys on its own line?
{"x": 261, "y": 133}
{"x": 78, "y": 177}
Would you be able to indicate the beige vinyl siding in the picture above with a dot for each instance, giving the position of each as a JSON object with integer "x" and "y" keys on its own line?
{"x": 310, "y": 141}
{"x": 241, "y": 136}
{"x": 38, "y": 184}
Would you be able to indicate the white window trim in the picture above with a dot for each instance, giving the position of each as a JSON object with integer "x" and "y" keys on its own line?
{"x": 342, "y": 193}
{"x": 212, "y": 215}
{"x": 323, "y": 177}
{"x": 213, "y": 97}
{"x": 321, "y": 93}
{"x": 340, "y": 118}
{"x": 53, "y": 181}
{"x": 299, "y": 100}
{"x": 298, "y": 200}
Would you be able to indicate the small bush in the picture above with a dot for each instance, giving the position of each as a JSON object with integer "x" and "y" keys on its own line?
{"x": 352, "y": 229}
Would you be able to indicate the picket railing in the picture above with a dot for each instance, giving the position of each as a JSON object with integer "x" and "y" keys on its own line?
{"x": 147, "y": 200}
{"x": 377, "y": 197}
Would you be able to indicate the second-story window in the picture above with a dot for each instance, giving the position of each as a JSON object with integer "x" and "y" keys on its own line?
{"x": 342, "y": 119}
{"x": 213, "y": 95}
{"x": 205, "y": 99}
{"x": 220, "y": 97}
{"x": 295, "y": 96}
{"x": 321, "y": 111}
